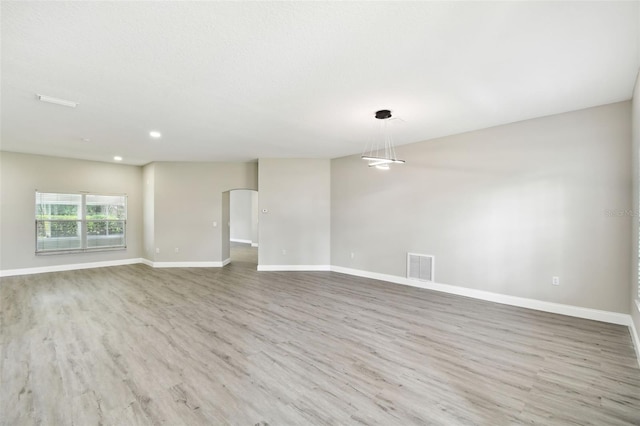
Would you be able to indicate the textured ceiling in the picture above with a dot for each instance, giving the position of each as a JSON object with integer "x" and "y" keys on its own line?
{"x": 236, "y": 81}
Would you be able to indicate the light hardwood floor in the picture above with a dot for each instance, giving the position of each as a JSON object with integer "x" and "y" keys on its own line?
{"x": 243, "y": 254}
{"x": 134, "y": 345}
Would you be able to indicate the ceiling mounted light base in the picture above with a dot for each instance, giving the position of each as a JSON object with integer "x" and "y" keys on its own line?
{"x": 383, "y": 114}
{"x": 382, "y": 152}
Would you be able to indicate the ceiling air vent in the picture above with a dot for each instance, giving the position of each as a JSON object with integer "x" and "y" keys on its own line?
{"x": 420, "y": 267}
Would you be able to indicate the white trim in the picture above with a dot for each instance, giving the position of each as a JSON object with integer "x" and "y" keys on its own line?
{"x": 294, "y": 267}
{"x": 539, "y": 305}
{"x": 146, "y": 262}
{"x": 638, "y": 304}
{"x": 237, "y": 240}
{"x": 68, "y": 267}
{"x": 636, "y": 339}
{"x": 89, "y": 265}
{"x": 254, "y": 244}
{"x": 187, "y": 264}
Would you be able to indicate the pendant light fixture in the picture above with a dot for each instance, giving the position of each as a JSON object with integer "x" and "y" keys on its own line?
{"x": 382, "y": 152}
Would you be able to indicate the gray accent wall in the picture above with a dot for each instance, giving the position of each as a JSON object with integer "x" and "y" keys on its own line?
{"x": 188, "y": 198}
{"x": 296, "y": 196}
{"x": 22, "y": 174}
{"x": 502, "y": 209}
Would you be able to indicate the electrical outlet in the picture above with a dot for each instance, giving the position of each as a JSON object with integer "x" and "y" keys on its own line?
{"x": 215, "y": 224}
{"x": 177, "y": 250}
{"x": 157, "y": 250}
{"x": 284, "y": 251}
{"x": 353, "y": 255}
{"x": 555, "y": 280}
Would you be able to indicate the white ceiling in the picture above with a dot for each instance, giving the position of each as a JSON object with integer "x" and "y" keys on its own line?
{"x": 236, "y": 81}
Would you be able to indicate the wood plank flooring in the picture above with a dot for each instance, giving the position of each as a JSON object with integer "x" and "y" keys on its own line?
{"x": 134, "y": 345}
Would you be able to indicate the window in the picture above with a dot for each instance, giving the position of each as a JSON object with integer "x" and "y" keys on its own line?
{"x": 80, "y": 222}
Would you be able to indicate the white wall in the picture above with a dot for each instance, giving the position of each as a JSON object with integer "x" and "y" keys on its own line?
{"x": 296, "y": 194}
{"x": 242, "y": 209}
{"x": 635, "y": 160}
{"x": 148, "y": 209}
{"x": 22, "y": 174}
{"x": 502, "y": 209}
{"x": 188, "y": 199}
{"x": 225, "y": 219}
{"x": 254, "y": 218}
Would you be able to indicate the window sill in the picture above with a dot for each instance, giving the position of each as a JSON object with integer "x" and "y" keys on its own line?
{"x": 56, "y": 252}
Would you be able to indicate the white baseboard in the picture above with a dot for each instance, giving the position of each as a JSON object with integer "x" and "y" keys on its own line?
{"x": 254, "y": 244}
{"x": 89, "y": 265}
{"x": 294, "y": 267}
{"x": 574, "y": 311}
{"x": 68, "y": 267}
{"x": 146, "y": 262}
{"x": 539, "y": 305}
{"x": 237, "y": 240}
{"x": 187, "y": 264}
{"x": 636, "y": 339}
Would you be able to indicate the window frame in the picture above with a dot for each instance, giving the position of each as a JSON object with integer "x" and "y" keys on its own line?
{"x": 82, "y": 222}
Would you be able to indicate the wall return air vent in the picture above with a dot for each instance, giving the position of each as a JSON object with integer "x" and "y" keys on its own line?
{"x": 420, "y": 267}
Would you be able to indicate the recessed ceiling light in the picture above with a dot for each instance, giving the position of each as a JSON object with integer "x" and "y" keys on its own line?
{"x": 57, "y": 101}
{"x": 86, "y": 140}
{"x": 117, "y": 158}
{"x": 155, "y": 134}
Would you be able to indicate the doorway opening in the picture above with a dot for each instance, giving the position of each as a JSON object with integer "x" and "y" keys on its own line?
{"x": 243, "y": 227}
